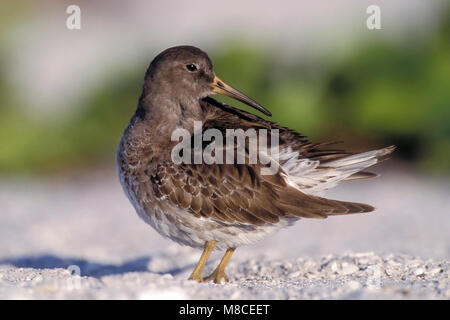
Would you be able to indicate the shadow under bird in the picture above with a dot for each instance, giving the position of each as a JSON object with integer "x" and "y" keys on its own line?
{"x": 222, "y": 206}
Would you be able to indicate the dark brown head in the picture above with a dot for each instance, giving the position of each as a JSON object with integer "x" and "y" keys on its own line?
{"x": 185, "y": 74}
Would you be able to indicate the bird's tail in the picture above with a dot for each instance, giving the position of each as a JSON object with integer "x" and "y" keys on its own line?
{"x": 360, "y": 161}
{"x": 314, "y": 177}
{"x": 323, "y": 177}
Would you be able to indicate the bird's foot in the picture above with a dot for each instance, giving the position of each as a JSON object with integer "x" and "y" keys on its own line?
{"x": 196, "y": 277}
{"x": 218, "y": 276}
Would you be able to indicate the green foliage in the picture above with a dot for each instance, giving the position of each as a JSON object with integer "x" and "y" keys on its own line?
{"x": 398, "y": 94}
{"x": 380, "y": 94}
{"x": 88, "y": 137}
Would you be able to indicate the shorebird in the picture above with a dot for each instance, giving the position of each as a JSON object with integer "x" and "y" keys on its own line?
{"x": 222, "y": 206}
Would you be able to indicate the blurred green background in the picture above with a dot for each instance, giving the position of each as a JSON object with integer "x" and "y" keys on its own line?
{"x": 377, "y": 92}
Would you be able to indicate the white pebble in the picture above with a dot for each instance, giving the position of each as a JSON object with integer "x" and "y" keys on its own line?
{"x": 334, "y": 267}
{"x": 419, "y": 272}
{"x": 364, "y": 254}
{"x": 348, "y": 268}
{"x": 435, "y": 271}
{"x": 295, "y": 274}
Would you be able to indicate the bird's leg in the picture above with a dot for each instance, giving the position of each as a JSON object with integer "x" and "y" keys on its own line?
{"x": 219, "y": 273}
{"x": 197, "y": 273}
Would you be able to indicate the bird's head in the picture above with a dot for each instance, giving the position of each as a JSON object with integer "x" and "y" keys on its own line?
{"x": 186, "y": 73}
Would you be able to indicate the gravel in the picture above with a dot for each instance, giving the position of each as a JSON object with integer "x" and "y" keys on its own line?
{"x": 347, "y": 276}
{"x": 78, "y": 238}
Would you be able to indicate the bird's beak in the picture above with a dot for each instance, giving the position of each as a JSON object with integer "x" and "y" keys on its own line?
{"x": 221, "y": 87}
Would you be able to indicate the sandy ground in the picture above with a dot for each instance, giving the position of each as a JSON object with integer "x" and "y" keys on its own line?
{"x": 52, "y": 230}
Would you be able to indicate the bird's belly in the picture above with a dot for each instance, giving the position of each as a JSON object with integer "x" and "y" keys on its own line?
{"x": 184, "y": 228}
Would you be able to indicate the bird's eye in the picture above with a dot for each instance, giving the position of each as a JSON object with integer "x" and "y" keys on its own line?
{"x": 191, "y": 67}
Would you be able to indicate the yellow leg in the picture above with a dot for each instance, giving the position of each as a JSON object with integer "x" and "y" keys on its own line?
{"x": 197, "y": 273}
{"x": 219, "y": 273}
